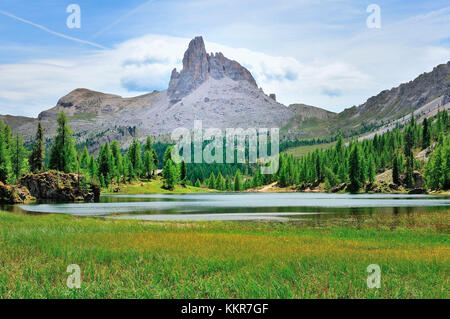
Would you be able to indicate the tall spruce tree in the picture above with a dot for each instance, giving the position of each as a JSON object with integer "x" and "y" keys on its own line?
{"x": 395, "y": 170}
{"x": 5, "y": 159}
{"x": 135, "y": 156}
{"x": 355, "y": 169}
{"x": 228, "y": 183}
{"x": 18, "y": 157}
{"x": 84, "y": 159}
{"x": 238, "y": 181}
{"x": 183, "y": 172}
{"x": 37, "y": 154}
{"x": 92, "y": 167}
{"x": 148, "y": 164}
{"x": 105, "y": 164}
{"x": 212, "y": 181}
{"x": 63, "y": 156}
{"x": 169, "y": 175}
{"x": 148, "y": 146}
{"x": 118, "y": 160}
{"x": 426, "y": 134}
{"x": 434, "y": 169}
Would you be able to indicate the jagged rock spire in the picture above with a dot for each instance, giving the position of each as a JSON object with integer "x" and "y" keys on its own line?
{"x": 198, "y": 66}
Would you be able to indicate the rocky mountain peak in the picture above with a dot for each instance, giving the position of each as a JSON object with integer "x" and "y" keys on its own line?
{"x": 198, "y": 66}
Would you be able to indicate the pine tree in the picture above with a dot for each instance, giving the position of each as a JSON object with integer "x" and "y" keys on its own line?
{"x": 228, "y": 183}
{"x": 330, "y": 177}
{"x": 395, "y": 170}
{"x": 212, "y": 181}
{"x": 183, "y": 172}
{"x": 105, "y": 164}
{"x": 8, "y": 137}
{"x": 63, "y": 156}
{"x": 128, "y": 167}
{"x": 409, "y": 171}
{"x": 257, "y": 179}
{"x": 220, "y": 182}
{"x": 148, "y": 163}
{"x": 167, "y": 154}
{"x": 148, "y": 146}
{"x": 198, "y": 184}
{"x": 18, "y": 157}
{"x": 102, "y": 181}
{"x": 135, "y": 157}
{"x": 446, "y": 164}
{"x": 426, "y": 136}
{"x": 371, "y": 170}
{"x": 5, "y": 159}
{"x": 434, "y": 171}
{"x": 238, "y": 181}
{"x": 409, "y": 141}
{"x": 354, "y": 169}
{"x": 37, "y": 154}
{"x": 155, "y": 159}
{"x": 92, "y": 167}
{"x": 84, "y": 159}
{"x": 169, "y": 175}
{"x": 118, "y": 160}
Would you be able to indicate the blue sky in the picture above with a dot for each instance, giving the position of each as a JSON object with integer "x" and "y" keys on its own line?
{"x": 318, "y": 52}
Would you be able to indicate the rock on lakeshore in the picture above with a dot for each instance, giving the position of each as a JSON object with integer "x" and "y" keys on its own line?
{"x": 53, "y": 185}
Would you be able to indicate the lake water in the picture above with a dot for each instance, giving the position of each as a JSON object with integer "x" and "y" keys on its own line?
{"x": 243, "y": 206}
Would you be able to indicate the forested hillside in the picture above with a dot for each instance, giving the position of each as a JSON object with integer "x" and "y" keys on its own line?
{"x": 416, "y": 152}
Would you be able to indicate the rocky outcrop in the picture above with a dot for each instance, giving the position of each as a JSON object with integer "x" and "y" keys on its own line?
{"x": 396, "y": 102}
{"x": 198, "y": 66}
{"x": 446, "y": 98}
{"x": 57, "y": 186}
{"x": 13, "y": 194}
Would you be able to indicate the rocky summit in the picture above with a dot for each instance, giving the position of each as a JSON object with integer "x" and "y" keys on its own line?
{"x": 198, "y": 66}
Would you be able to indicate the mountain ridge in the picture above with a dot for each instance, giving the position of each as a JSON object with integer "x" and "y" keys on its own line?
{"x": 222, "y": 93}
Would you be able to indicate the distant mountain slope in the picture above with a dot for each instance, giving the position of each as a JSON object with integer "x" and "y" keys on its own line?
{"x": 424, "y": 96}
{"x": 393, "y": 104}
{"x": 16, "y": 121}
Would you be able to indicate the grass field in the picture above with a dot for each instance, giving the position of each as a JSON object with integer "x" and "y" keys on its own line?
{"x": 132, "y": 259}
{"x": 153, "y": 187}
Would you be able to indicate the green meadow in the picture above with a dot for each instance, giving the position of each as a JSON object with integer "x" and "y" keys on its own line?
{"x": 134, "y": 259}
{"x": 154, "y": 186}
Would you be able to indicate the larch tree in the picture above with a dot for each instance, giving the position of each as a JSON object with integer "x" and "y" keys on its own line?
{"x": 18, "y": 157}
{"x": 238, "y": 181}
{"x": 63, "y": 156}
{"x": 426, "y": 134}
{"x": 5, "y": 160}
{"x": 37, "y": 154}
{"x": 354, "y": 169}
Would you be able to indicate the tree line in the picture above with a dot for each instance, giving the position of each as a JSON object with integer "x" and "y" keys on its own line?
{"x": 355, "y": 163}
{"x": 110, "y": 166}
{"x": 358, "y": 162}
